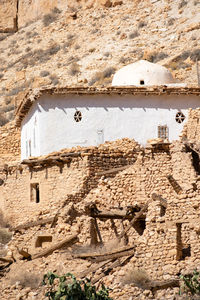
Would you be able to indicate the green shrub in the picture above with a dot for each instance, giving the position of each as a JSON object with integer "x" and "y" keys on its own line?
{"x": 191, "y": 283}
{"x": 68, "y": 287}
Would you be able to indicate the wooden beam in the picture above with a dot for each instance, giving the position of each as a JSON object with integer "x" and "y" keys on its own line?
{"x": 6, "y": 260}
{"x": 93, "y": 268}
{"x": 113, "y": 215}
{"x": 98, "y": 231}
{"x": 69, "y": 241}
{"x": 115, "y": 264}
{"x": 110, "y": 256}
{"x": 24, "y": 253}
{"x": 134, "y": 220}
{"x": 33, "y": 223}
{"x": 113, "y": 170}
{"x": 104, "y": 254}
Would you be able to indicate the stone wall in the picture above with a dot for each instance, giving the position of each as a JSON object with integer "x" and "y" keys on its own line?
{"x": 191, "y": 129}
{"x": 166, "y": 239}
{"x": 9, "y": 143}
{"x": 58, "y": 183}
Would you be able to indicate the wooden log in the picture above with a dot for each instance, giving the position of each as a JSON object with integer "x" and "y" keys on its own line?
{"x": 95, "y": 255}
{"x": 6, "y": 260}
{"x": 24, "y": 253}
{"x": 115, "y": 264}
{"x": 112, "y": 256}
{"x": 113, "y": 170}
{"x": 33, "y": 223}
{"x": 156, "y": 285}
{"x": 98, "y": 231}
{"x": 113, "y": 215}
{"x": 69, "y": 241}
{"x": 93, "y": 233}
{"x": 93, "y": 268}
{"x": 113, "y": 226}
{"x": 55, "y": 219}
{"x": 134, "y": 220}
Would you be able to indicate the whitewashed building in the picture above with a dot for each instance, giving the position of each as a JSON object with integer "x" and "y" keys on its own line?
{"x": 56, "y": 118}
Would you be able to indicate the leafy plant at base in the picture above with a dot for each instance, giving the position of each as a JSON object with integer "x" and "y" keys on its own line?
{"x": 67, "y": 287}
{"x": 191, "y": 283}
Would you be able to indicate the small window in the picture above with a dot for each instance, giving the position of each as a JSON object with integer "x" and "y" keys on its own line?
{"x": 162, "y": 210}
{"x": 142, "y": 82}
{"x": 180, "y": 117}
{"x": 163, "y": 132}
{"x": 35, "y": 192}
{"x": 77, "y": 116}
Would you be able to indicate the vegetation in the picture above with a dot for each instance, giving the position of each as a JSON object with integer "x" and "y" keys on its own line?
{"x": 138, "y": 277}
{"x": 51, "y": 17}
{"x": 25, "y": 278}
{"x": 191, "y": 283}
{"x": 67, "y": 287}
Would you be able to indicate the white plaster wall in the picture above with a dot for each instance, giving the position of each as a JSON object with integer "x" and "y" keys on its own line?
{"x": 104, "y": 118}
{"x": 30, "y": 134}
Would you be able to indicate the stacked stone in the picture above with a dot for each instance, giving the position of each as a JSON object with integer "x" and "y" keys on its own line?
{"x": 191, "y": 130}
{"x": 9, "y": 143}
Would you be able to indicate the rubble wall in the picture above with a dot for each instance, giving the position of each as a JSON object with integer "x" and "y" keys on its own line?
{"x": 191, "y": 129}
{"x": 9, "y": 143}
{"x": 158, "y": 250}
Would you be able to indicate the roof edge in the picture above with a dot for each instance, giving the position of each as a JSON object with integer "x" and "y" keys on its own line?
{"x": 32, "y": 95}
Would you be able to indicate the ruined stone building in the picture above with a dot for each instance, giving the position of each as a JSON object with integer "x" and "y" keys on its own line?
{"x": 90, "y": 144}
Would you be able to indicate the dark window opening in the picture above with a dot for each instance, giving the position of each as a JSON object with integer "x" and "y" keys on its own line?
{"x": 77, "y": 116}
{"x": 35, "y": 192}
{"x": 163, "y": 132}
{"x": 140, "y": 226}
{"x": 162, "y": 210}
{"x": 142, "y": 82}
{"x": 186, "y": 252}
{"x": 183, "y": 251}
{"x": 195, "y": 159}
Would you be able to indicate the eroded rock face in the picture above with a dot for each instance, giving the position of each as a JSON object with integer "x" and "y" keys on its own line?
{"x": 33, "y": 9}
{"x": 15, "y": 14}
{"x": 8, "y": 15}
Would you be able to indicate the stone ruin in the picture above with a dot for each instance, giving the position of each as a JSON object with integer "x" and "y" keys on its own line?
{"x": 118, "y": 207}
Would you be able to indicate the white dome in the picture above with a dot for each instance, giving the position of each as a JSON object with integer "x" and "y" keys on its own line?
{"x": 142, "y": 73}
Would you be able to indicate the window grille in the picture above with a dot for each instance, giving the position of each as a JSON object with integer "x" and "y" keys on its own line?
{"x": 163, "y": 132}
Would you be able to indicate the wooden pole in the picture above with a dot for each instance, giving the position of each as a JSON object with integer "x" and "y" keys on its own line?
{"x": 69, "y": 241}
{"x": 135, "y": 219}
{"x": 93, "y": 233}
{"x": 98, "y": 231}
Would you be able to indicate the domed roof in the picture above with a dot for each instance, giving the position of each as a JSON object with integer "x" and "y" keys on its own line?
{"x": 141, "y": 73}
